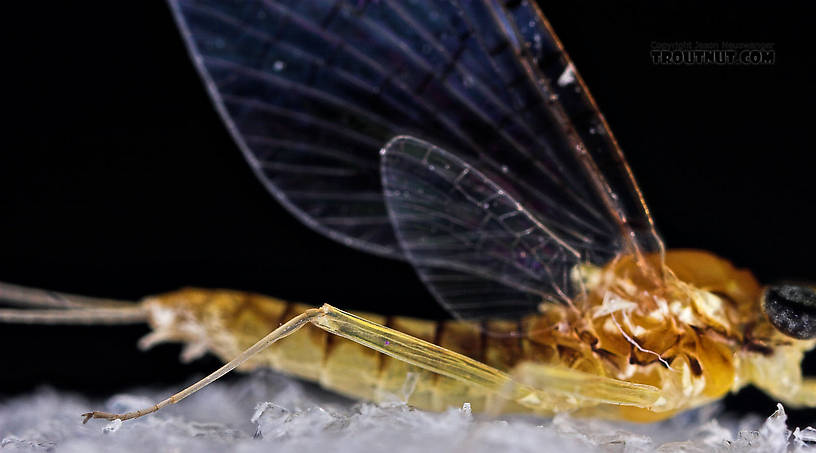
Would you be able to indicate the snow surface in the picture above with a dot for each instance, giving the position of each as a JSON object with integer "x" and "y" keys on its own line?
{"x": 268, "y": 412}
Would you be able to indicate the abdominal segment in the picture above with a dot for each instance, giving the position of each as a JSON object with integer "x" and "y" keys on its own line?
{"x": 230, "y": 322}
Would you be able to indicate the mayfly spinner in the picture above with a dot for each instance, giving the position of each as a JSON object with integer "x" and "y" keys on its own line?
{"x": 456, "y": 135}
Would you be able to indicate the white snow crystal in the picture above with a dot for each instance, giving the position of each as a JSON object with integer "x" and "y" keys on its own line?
{"x": 113, "y": 426}
{"x": 266, "y": 412}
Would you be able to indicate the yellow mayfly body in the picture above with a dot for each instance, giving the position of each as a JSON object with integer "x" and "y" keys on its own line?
{"x": 628, "y": 351}
{"x": 457, "y": 136}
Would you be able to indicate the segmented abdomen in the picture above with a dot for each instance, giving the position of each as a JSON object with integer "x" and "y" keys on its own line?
{"x": 236, "y": 320}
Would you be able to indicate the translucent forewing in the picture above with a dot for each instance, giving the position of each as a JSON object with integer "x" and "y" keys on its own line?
{"x": 312, "y": 90}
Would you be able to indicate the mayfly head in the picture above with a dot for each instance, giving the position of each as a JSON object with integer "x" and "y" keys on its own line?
{"x": 791, "y": 309}
{"x": 778, "y": 342}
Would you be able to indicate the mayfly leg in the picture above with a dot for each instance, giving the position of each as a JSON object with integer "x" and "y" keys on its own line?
{"x": 425, "y": 355}
{"x": 278, "y": 334}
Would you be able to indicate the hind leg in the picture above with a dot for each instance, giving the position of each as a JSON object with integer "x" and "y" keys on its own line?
{"x": 556, "y": 382}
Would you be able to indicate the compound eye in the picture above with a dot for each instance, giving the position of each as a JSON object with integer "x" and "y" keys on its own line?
{"x": 791, "y": 309}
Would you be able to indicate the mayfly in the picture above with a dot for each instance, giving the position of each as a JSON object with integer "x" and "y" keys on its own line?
{"x": 457, "y": 136}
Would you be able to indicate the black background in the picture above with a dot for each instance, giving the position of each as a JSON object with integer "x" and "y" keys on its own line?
{"x": 118, "y": 179}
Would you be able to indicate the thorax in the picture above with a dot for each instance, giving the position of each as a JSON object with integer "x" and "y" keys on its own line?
{"x": 682, "y": 335}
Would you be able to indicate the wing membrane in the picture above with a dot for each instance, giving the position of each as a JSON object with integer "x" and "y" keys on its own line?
{"x": 477, "y": 247}
{"x": 578, "y": 113}
{"x": 311, "y": 90}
